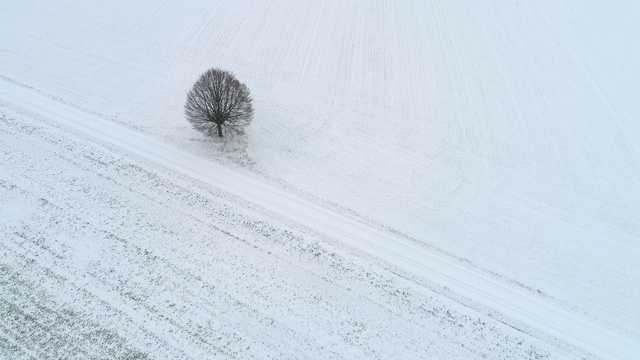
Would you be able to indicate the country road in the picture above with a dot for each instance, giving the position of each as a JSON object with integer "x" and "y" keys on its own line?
{"x": 554, "y": 321}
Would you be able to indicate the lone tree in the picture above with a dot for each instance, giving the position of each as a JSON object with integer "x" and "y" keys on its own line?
{"x": 219, "y": 100}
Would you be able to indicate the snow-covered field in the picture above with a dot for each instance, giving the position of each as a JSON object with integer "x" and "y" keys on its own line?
{"x": 444, "y": 179}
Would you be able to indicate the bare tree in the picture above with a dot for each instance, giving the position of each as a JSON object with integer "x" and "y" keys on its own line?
{"x": 219, "y": 100}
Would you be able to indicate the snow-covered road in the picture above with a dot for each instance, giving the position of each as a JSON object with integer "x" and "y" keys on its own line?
{"x": 551, "y": 320}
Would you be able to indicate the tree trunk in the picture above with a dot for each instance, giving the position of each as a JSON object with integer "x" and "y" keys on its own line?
{"x": 219, "y": 130}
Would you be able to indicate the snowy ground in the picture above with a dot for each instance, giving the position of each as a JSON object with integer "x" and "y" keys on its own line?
{"x": 107, "y": 255}
{"x": 502, "y": 136}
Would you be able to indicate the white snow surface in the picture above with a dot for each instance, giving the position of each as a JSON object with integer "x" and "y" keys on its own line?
{"x": 499, "y": 138}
